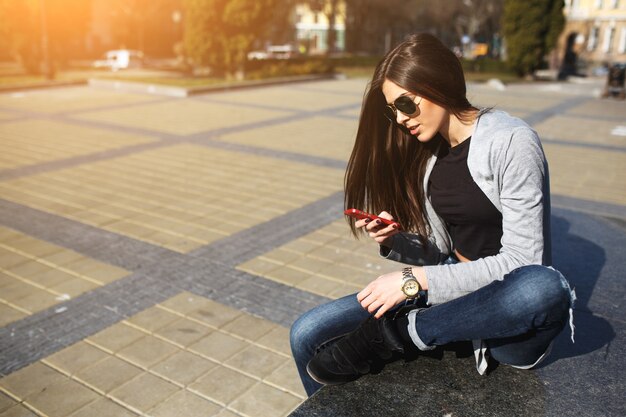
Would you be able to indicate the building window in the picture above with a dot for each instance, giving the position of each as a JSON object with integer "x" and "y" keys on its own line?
{"x": 599, "y": 4}
{"x": 614, "y": 3}
{"x": 593, "y": 39}
{"x": 622, "y": 42}
{"x": 608, "y": 39}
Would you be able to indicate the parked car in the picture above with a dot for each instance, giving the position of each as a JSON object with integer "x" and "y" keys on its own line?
{"x": 282, "y": 51}
{"x": 258, "y": 55}
{"x": 275, "y": 52}
{"x": 120, "y": 59}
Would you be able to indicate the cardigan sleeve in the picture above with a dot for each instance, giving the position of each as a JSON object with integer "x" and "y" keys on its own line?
{"x": 407, "y": 249}
{"x": 521, "y": 171}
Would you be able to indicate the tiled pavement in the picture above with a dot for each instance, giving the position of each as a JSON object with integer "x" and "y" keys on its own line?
{"x": 154, "y": 251}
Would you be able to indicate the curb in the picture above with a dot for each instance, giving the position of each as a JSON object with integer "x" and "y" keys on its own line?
{"x": 165, "y": 90}
{"x": 44, "y": 85}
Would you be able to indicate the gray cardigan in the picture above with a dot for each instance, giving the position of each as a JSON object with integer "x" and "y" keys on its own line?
{"x": 507, "y": 162}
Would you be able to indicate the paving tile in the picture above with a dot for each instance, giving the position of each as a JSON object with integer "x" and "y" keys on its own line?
{"x": 103, "y": 407}
{"x": 147, "y": 351}
{"x": 10, "y": 314}
{"x": 218, "y": 346}
{"x": 204, "y": 310}
{"x": 183, "y": 367}
{"x": 116, "y": 337}
{"x": 280, "y": 256}
{"x": 37, "y": 300}
{"x": 222, "y": 385}
{"x": 75, "y": 358}
{"x": 5, "y": 279}
{"x": 31, "y": 380}
{"x": 69, "y": 99}
{"x": 25, "y": 143}
{"x": 287, "y": 378}
{"x": 256, "y": 361}
{"x": 277, "y": 340}
{"x": 107, "y": 374}
{"x": 144, "y": 392}
{"x": 35, "y": 247}
{"x": 28, "y": 269}
{"x": 18, "y": 411}
{"x": 9, "y": 259}
{"x": 590, "y": 175}
{"x": 599, "y": 107}
{"x": 335, "y": 143}
{"x": 60, "y": 400}
{"x": 16, "y": 290}
{"x": 249, "y": 327}
{"x": 310, "y": 265}
{"x": 226, "y": 413}
{"x": 286, "y": 275}
{"x": 85, "y": 266}
{"x": 595, "y": 132}
{"x": 153, "y": 319}
{"x": 62, "y": 258}
{"x": 263, "y": 400}
{"x": 183, "y": 332}
{"x": 181, "y": 117}
{"x": 135, "y": 177}
{"x": 305, "y": 99}
{"x": 52, "y": 277}
{"x": 6, "y": 402}
{"x": 258, "y": 266}
{"x": 185, "y": 403}
{"x": 319, "y": 285}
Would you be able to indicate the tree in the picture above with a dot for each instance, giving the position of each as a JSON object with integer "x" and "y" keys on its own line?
{"x": 26, "y": 23}
{"x": 373, "y": 26}
{"x": 220, "y": 33}
{"x": 146, "y": 25}
{"x": 531, "y": 30}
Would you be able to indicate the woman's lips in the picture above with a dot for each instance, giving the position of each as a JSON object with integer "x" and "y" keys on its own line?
{"x": 413, "y": 129}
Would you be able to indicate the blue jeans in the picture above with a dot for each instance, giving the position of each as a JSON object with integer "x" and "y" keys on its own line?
{"x": 517, "y": 318}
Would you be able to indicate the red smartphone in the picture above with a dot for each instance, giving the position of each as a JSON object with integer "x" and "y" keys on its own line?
{"x": 360, "y": 215}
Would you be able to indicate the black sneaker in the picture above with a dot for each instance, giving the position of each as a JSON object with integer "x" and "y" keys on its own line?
{"x": 357, "y": 353}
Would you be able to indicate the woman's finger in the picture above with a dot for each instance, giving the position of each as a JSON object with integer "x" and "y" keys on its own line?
{"x": 382, "y": 310}
{"x": 363, "y": 293}
{"x": 374, "y": 306}
{"x": 361, "y": 223}
{"x": 385, "y": 215}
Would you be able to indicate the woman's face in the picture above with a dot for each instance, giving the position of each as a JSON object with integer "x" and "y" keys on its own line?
{"x": 428, "y": 118}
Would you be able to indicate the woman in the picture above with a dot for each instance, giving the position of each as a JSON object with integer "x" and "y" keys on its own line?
{"x": 470, "y": 189}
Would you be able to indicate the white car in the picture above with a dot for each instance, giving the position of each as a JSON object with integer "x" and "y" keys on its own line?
{"x": 275, "y": 52}
{"x": 120, "y": 59}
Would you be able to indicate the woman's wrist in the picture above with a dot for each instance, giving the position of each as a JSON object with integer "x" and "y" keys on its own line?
{"x": 420, "y": 275}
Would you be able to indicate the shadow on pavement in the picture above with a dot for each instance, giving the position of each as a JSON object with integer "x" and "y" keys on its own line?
{"x": 581, "y": 262}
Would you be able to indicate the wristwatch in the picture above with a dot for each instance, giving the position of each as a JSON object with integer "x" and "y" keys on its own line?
{"x": 410, "y": 286}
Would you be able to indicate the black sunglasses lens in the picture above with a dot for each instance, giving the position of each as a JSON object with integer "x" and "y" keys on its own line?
{"x": 406, "y": 105}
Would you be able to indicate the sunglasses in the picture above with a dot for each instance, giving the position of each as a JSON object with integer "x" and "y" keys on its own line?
{"x": 404, "y": 104}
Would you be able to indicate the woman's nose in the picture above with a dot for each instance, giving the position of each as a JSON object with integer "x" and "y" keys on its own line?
{"x": 401, "y": 117}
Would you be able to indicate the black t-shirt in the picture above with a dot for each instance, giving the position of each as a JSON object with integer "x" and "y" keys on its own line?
{"x": 474, "y": 223}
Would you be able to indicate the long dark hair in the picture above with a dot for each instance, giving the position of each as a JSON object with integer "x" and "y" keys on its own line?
{"x": 387, "y": 166}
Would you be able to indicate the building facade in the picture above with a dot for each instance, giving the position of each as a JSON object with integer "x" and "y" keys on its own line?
{"x": 312, "y": 27}
{"x": 595, "y": 30}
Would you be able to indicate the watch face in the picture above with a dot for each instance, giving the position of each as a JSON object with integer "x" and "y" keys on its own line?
{"x": 410, "y": 288}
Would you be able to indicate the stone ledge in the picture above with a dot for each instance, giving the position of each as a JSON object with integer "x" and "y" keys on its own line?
{"x": 172, "y": 91}
{"x": 441, "y": 384}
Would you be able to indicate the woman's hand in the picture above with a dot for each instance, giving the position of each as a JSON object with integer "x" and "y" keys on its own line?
{"x": 382, "y": 294}
{"x": 378, "y": 230}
